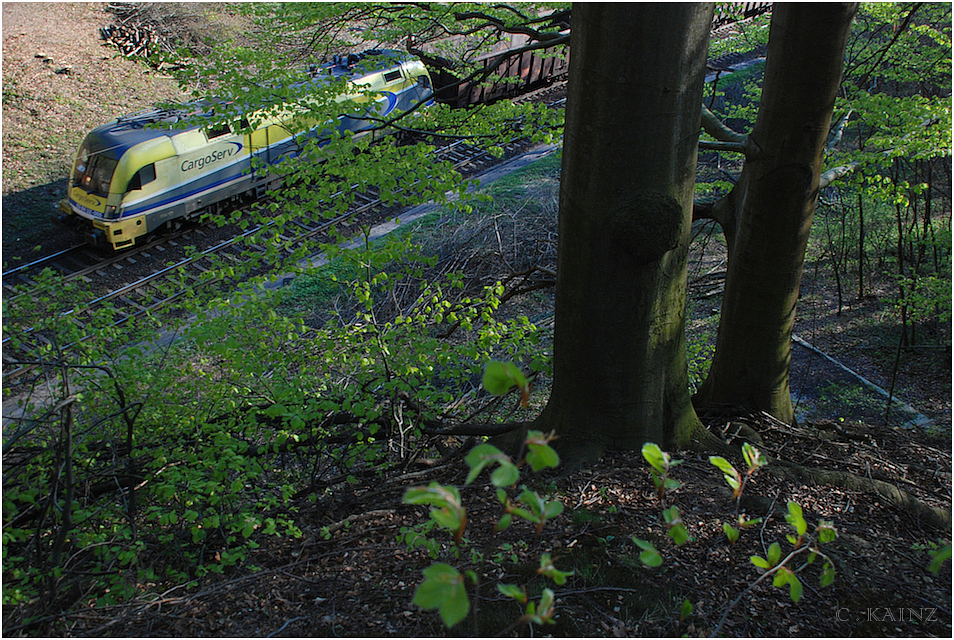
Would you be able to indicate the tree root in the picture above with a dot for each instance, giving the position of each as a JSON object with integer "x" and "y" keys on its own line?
{"x": 934, "y": 516}
{"x": 704, "y": 441}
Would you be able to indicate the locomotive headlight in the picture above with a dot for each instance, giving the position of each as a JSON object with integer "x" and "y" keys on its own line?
{"x": 110, "y": 212}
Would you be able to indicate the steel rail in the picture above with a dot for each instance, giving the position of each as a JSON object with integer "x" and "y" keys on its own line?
{"x": 462, "y": 154}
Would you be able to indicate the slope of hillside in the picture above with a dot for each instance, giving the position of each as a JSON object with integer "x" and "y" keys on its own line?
{"x": 59, "y": 81}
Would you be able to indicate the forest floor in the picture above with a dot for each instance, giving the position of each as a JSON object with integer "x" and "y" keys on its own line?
{"x": 350, "y": 575}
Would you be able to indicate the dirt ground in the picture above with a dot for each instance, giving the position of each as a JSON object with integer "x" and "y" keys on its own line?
{"x": 359, "y": 581}
{"x": 59, "y": 81}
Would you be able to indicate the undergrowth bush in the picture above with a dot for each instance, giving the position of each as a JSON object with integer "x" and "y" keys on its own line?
{"x": 171, "y": 462}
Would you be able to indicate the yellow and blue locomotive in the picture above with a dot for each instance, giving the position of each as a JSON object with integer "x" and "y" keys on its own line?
{"x": 140, "y": 172}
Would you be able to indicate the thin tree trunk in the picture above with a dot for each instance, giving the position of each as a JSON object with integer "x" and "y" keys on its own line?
{"x": 861, "y": 246}
{"x": 902, "y": 291}
{"x": 774, "y": 212}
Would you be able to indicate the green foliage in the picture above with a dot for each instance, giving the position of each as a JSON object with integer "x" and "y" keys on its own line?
{"x": 447, "y": 510}
{"x": 649, "y": 556}
{"x": 732, "y": 477}
{"x": 251, "y": 404}
{"x": 775, "y": 565}
{"x": 939, "y": 551}
{"x": 660, "y": 464}
{"x": 747, "y": 35}
{"x": 443, "y": 587}
{"x": 754, "y": 461}
{"x": 894, "y": 131}
{"x": 676, "y": 529}
{"x": 774, "y": 555}
{"x": 538, "y": 509}
{"x": 938, "y": 557}
{"x": 500, "y": 377}
{"x": 685, "y": 610}
{"x": 205, "y": 442}
{"x": 735, "y": 98}
{"x": 483, "y": 455}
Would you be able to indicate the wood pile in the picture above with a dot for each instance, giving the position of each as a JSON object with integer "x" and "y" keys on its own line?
{"x": 140, "y": 32}
{"x": 132, "y": 40}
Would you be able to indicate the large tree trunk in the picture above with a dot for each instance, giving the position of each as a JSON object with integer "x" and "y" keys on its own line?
{"x": 630, "y": 142}
{"x": 774, "y": 205}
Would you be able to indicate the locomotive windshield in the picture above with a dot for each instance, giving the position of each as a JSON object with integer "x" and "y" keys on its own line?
{"x": 93, "y": 172}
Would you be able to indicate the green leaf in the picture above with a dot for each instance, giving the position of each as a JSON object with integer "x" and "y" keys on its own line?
{"x": 685, "y": 610}
{"x": 533, "y": 500}
{"x": 447, "y": 510}
{"x": 940, "y": 555}
{"x": 678, "y": 533}
{"x": 513, "y": 591}
{"x": 547, "y": 569}
{"x": 730, "y": 532}
{"x": 656, "y": 457}
{"x": 443, "y": 589}
{"x": 505, "y": 475}
{"x": 774, "y": 554}
{"x": 447, "y": 518}
{"x": 724, "y": 465}
{"x": 753, "y": 458}
{"x": 523, "y": 513}
{"x": 540, "y": 455}
{"x": 732, "y": 477}
{"x": 794, "y": 518}
{"x": 500, "y": 377}
{"x": 828, "y": 574}
{"x": 786, "y": 576}
{"x": 553, "y": 509}
{"x": 504, "y": 522}
{"x": 760, "y": 562}
{"x": 486, "y": 454}
{"x": 435, "y": 494}
{"x": 826, "y": 532}
{"x": 650, "y": 556}
{"x": 545, "y": 610}
{"x": 781, "y": 577}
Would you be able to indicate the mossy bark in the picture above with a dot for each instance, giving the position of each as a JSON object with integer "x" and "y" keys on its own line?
{"x": 630, "y": 144}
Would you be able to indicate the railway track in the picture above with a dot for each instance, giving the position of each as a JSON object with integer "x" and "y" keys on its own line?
{"x": 81, "y": 260}
{"x": 135, "y": 297}
{"x": 148, "y": 294}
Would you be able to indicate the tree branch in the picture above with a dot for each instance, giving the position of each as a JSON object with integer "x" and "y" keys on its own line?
{"x": 884, "y": 52}
{"x": 522, "y": 29}
{"x": 731, "y": 147}
{"x": 723, "y": 134}
{"x": 835, "y": 173}
{"x": 839, "y": 130}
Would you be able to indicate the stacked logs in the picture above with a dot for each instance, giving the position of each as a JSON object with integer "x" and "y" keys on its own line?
{"x": 132, "y": 40}
{"x": 142, "y": 32}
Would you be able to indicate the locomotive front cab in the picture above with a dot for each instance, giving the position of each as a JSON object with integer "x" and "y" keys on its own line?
{"x": 115, "y": 168}
{"x": 90, "y": 195}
